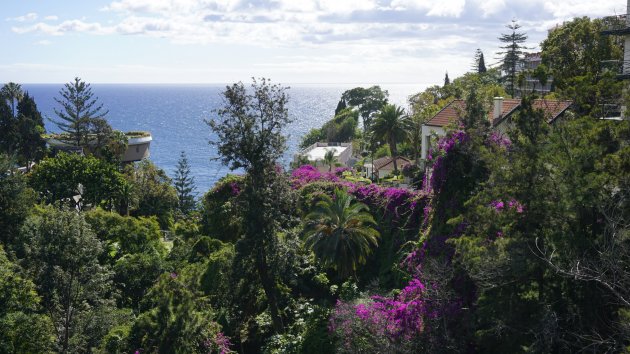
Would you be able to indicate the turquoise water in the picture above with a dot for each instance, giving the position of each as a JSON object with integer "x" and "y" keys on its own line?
{"x": 175, "y": 114}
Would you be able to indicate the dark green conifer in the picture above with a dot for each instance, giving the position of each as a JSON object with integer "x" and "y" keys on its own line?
{"x": 78, "y": 108}
{"x": 512, "y": 55}
{"x": 185, "y": 185}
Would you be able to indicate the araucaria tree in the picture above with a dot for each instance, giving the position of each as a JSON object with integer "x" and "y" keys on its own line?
{"x": 248, "y": 135}
{"x": 512, "y": 54}
{"x": 79, "y": 110}
{"x": 185, "y": 185}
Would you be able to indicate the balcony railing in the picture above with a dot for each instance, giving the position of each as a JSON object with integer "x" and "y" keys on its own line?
{"x": 610, "y": 108}
{"x": 616, "y": 25}
{"x": 621, "y": 68}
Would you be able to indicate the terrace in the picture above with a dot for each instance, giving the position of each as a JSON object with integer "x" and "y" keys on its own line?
{"x": 138, "y": 143}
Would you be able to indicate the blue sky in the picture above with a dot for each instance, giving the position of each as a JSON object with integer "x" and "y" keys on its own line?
{"x": 291, "y": 41}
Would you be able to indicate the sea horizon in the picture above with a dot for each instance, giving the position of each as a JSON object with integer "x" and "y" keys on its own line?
{"x": 175, "y": 114}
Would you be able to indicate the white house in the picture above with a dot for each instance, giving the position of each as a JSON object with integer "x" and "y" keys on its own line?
{"x": 316, "y": 152}
{"x": 501, "y": 116}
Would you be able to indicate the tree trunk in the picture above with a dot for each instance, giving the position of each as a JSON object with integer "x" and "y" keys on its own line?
{"x": 259, "y": 230}
{"x": 394, "y": 151}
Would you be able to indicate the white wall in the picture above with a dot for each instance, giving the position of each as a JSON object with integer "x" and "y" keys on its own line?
{"x": 427, "y": 131}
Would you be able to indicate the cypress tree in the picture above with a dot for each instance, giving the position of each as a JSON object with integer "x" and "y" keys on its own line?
{"x": 185, "y": 185}
{"x": 30, "y": 127}
{"x": 512, "y": 56}
{"x": 447, "y": 80}
{"x": 479, "y": 64}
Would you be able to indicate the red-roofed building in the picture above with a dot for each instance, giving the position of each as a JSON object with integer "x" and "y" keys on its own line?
{"x": 500, "y": 116}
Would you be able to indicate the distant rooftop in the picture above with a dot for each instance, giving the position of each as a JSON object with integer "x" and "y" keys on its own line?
{"x": 318, "y": 152}
{"x": 451, "y": 112}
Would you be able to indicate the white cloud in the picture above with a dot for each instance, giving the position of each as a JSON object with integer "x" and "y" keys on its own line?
{"x": 572, "y": 8}
{"x": 64, "y": 27}
{"x": 29, "y": 17}
{"x": 369, "y": 33}
{"x": 44, "y": 42}
{"x": 490, "y": 7}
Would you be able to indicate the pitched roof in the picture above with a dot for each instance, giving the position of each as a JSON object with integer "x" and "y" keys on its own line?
{"x": 387, "y": 160}
{"x": 452, "y": 111}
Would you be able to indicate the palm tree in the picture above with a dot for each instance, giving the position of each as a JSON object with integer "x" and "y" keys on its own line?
{"x": 13, "y": 93}
{"x": 330, "y": 159}
{"x": 340, "y": 232}
{"x": 391, "y": 125}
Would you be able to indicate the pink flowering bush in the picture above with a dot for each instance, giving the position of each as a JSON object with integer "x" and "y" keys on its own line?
{"x": 445, "y": 144}
{"x": 219, "y": 344}
{"x": 382, "y": 324}
{"x": 499, "y": 140}
{"x": 512, "y": 204}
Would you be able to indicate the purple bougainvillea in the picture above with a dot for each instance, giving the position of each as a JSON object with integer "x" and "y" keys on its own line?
{"x": 396, "y": 318}
{"x": 497, "y": 139}
{"x": 512, "y": 204}
{"x": 220, "y": 343}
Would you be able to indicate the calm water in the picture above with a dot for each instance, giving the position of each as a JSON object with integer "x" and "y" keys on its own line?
{"x": 174, "y": 114}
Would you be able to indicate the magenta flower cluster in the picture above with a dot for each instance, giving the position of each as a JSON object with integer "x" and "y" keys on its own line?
{"x": 220, "y": 343}
{"x": 439, "y": 169}
{"x": 306, "y": 174}
{"x": 512, "y": 204}
{"x": 396, "y": 318}
{"x": 396, "y": 203}
{"x": 499, "y": 140}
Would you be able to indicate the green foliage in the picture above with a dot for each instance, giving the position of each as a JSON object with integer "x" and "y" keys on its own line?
{"x": 62, "y": 258}
{"x": 152, "y": 192}
{"x": 185, "y": 185}
{"x": 391, "y": 125}
{"x": 124, "y": 234}
{"x": 115, "y": 342}
{"x": 221, "y": 216}
{"x": 22, "y": 328}
{"x": 512, "y": 55}
{"x": 30, "y": 127}
{"x": 249, "y": 135}
{"x": 178, "y": 320}
{"x": 367, "y": 101}
{"x": 330, "y": 159}
{"x": 22, "y": 130}
{"x": 12, "y": 93}
{"x": 574, "y": 53}
{"x": 215, "y": 281}
{"x": 134, "y": 274}
{"x": 58, "y": 179}
{"x": 79, "y": 111}
{"x": 341, "y": 128}
{"x": 340, "y": 232}
{"x": 248, "y": 129}
{"x": 16, "y": 200}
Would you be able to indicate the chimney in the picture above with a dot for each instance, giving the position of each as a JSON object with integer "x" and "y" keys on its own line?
{"x": 498, "y": 108}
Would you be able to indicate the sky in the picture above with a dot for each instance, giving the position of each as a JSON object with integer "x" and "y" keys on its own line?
{"x": 290, "y": 41}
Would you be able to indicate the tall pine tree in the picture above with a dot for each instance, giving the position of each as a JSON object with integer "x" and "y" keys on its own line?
{"x": 79, "y": 109}
{"x": 512, "y": 55}
{"x": 185, "y": 185}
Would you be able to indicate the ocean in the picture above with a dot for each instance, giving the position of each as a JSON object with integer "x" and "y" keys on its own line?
{"x": 175, "y": 115}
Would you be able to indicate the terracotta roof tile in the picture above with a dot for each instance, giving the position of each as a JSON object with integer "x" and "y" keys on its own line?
{"x": 452, "y": 111}
{"x": 384, "y": 161}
